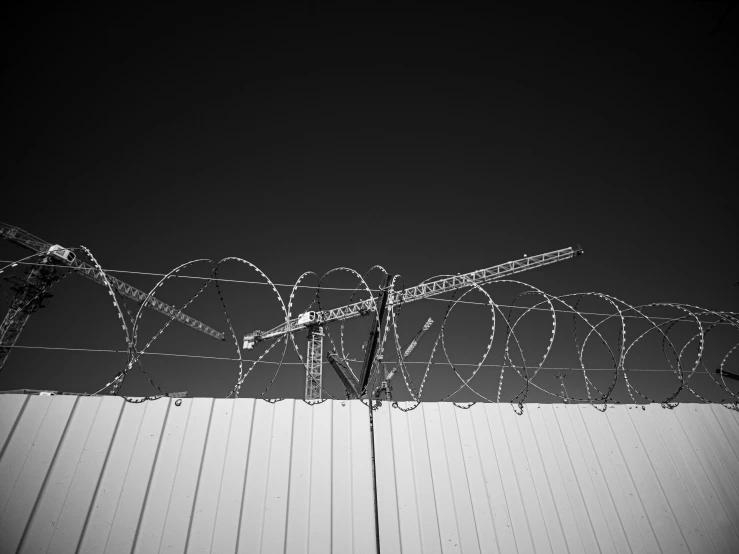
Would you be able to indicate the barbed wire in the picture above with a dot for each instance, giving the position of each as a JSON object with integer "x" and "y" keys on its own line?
{"x": 315, "y": 287}
{"x": 685, "y": 357}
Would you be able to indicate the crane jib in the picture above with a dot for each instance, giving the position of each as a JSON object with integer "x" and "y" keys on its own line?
{"x": 422, "y": 291}
{"x": 31, "y": 242}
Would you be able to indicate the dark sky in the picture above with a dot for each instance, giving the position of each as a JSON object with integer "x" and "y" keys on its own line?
{"x": 428, "y": 143}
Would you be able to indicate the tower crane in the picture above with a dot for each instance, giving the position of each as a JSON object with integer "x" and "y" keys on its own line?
{"x": 313, "y": 321}
{"x": 32, "y": 291}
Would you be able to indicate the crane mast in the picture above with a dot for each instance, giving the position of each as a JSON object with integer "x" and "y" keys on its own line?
{"x": 315, "y": 320}
{"x": 31, "y": 294}
{"x": 32, "y": 290}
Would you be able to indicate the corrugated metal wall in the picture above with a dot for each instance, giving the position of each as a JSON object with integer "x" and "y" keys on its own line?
{"x": 95, "y": 474}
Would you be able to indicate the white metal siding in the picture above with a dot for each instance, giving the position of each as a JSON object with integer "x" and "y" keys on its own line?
{"x": 96, "y": 474}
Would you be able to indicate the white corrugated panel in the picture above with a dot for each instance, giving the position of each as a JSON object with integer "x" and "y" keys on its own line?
{"x": 96, "y": 474}
{"x": 559, "y": 478}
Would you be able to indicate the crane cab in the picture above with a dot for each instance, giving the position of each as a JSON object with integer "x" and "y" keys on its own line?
{"x": 62, "y": 254}
{"x": 308, "y": 318}
{"x": 251, "y": 339}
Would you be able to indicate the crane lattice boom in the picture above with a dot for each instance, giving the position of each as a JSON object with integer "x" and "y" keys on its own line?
{"x": 419, "y": 292}
{"x": 31, "y": 242}
{"x": 411, "y": 346}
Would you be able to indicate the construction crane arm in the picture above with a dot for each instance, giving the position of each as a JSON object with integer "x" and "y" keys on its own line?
{"x": 411, "y": 346}
{"x": 385, "y": 384}
{"x": 155, "y": 304}
{"x": 419, "y": 292}
{"x": 23, "y": 238}
{"x": 350, "y": 382}
{"x": 27, "y": 240}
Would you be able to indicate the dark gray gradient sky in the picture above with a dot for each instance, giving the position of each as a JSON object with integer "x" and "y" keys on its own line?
{"x": 428, "y": 143}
